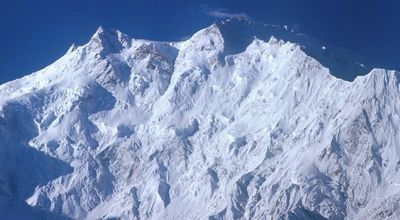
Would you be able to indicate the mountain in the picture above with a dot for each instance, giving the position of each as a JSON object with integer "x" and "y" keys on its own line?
{"x": 204, "y": 128}
{"x": 239, "y": 33}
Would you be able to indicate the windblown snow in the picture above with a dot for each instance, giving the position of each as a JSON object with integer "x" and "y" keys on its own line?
{"x": 136, "y": 129}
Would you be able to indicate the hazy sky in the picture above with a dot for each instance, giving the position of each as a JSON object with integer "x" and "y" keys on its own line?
{"x": 34, "y": 33}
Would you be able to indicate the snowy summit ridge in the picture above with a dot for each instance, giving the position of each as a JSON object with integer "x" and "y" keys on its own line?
{"x": 230, "y": 124}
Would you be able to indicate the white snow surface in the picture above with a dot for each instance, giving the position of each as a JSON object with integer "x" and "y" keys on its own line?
{"x": 136, "y": 129}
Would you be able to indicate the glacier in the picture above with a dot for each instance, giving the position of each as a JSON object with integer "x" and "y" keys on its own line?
{"x": 214, "y": 127}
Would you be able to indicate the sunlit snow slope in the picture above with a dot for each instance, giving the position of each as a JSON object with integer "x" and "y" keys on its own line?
{"x": 136, "y": 129}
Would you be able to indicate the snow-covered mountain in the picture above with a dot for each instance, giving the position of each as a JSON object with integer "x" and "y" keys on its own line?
{"x": 200, "y": 129}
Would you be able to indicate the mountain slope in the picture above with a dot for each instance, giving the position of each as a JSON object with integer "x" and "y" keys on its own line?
{"x": 137, "y": 129}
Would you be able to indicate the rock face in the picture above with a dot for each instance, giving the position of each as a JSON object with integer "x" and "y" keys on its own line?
{"x": 137, "y": 129}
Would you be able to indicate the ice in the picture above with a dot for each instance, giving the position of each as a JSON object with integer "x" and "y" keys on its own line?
{"x": 223, "y": 125}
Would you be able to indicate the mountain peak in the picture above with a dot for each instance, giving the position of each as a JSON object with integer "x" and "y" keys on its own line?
{"x": 109, "y": 40}
{"x": 102, "y": 32}
{"x": 100, "y": 29}
{"x": 210, "y": 37}
{"x": 238, "y": 33}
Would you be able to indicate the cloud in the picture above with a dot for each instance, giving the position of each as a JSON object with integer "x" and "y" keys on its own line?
{"x": 222, "y": 13}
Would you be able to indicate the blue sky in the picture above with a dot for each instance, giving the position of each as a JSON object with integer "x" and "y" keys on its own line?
{"x": 34, "y": 33}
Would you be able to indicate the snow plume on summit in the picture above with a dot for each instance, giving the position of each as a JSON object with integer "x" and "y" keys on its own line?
{"x": 223, "y": 125}
{"x": 223, "y": 14}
